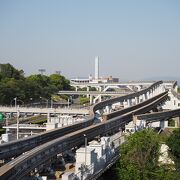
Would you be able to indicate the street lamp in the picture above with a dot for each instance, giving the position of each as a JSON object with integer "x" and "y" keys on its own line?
{"x": 15, "y": 102}
{"x": 85, "y": 148}
{"x": 31, "y": 101}
{"x": 15, "y": 99}
{"x": 18, "y": 113}
{"x": 51, "y": 103}
{"x": 21, "y": 101}
{"x": 68, "y": 102}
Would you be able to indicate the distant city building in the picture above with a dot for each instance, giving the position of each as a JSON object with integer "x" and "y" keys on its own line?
{"x": 96, "y": 78}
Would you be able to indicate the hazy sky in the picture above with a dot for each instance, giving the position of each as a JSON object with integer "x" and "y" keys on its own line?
{"x": 135, "y": 39}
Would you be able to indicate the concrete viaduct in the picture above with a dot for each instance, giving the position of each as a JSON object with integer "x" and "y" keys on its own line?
{"x": 20, "y": 166}
{"x": 64, "y": 139}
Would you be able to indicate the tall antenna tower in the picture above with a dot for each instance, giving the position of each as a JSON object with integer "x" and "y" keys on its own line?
{"x": 96, "y": 67}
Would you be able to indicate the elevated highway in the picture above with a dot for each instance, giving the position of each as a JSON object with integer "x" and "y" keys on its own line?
{"x": 106, "y": 93}
{"x": 132, "y": 83}
{"x": 23, "y": 164}
{"x": 139, "y": 84}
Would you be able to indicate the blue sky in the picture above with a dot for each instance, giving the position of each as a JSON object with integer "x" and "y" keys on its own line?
{"x": 135, "y": 39}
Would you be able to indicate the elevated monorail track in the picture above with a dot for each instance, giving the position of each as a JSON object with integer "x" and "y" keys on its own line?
{"x": 15, "y": 148}
{"x": 158, "y": 116}
{"x": 22, "y": 165}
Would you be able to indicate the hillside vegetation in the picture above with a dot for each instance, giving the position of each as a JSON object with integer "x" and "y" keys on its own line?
{"x": 29, "y": 89}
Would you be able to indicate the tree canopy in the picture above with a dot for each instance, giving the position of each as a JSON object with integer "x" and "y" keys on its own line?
{"x": 13, "y": 84}
{"x": 139, "y": 159}
{"x": 139, "y": 156}
{"x": 174, "y": 144}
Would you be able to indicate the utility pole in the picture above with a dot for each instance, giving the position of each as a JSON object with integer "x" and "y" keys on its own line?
{"x": 51, "y": 103}
{"x": 18, "y": 113}
{"x": 85, "y": 149}
{"x": 15, "y": 104}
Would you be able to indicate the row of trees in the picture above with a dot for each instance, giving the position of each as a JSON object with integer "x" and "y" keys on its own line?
{"x": 140, "y": 154}
{"x": 13, "y": 84}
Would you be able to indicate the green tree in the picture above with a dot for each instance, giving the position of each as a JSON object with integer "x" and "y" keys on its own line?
{"x": 178, "y": 89}
{"x": 14, "y": 84}
{"x": 139, "y": 156}
{"x": 174, "y": 144}
{"x": 9, "y": 90}
{"x": 59, "y": 81}
{"x": 8, "y": 71}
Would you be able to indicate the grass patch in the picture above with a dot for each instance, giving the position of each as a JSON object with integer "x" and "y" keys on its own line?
{"x": 42, "y": 121}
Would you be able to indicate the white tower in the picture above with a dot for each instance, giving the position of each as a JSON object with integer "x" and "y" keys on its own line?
{"x": 96, "y": 67}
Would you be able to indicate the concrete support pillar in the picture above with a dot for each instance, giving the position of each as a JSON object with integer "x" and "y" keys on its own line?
{"x": 165, "y": 124}
{"x": 137, "y": 100}
{"x": 76, "y": 88}
{"x": 135, "y": 122}
{"x": 100, "y": 98}
{"x": 140, "y": 98}
{"x": 121, "y": 103}
{"x": 158, "y": 89}
{"x": 155, "y": 90}
{"x": 107, "y": 109}
{"x": 147, "y": 95}
{"x": 176, "y": 88}
{"x": 125, "y": 103}
{"x": 100, "y": 89}
{"x": 144, "y": 97}
{"x": 129, "y": 102}
{"x": 149, "y": 92}
{"x": 153, "y": 93}
{"x": 91, "y": 99}
{"x": 48, "y": 118}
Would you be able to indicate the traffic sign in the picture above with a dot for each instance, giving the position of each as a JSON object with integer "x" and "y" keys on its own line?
{"x": 1, "y": 116}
